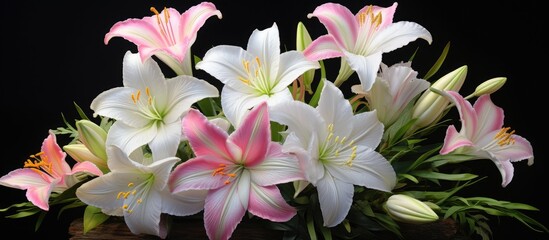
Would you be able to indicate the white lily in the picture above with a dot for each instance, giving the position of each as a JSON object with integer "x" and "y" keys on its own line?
{"x": 139, "y": 192}
{"x": 149, "y": 108}
{"x": 394, "y": 88}
{"x": 336, "y": 149}
{"x": 260, "y": 73}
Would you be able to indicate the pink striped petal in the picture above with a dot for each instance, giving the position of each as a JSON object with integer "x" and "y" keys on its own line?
{"x": 54, "y": 155}
{"x": 490, "y": 115}
{"x": 340, "y": 23}
{"x": 198, "y": 173}
{"x": 468, "y": 115}
{"x": 268, "y": 203}
{"x": 323, "y": 47}
{"x": 253, "y": 135}
{"x": 193, "y": 19}
{"x": 223, "y": 211}
{"x": 204, "y": 137}
{"x": 454, "y": 140}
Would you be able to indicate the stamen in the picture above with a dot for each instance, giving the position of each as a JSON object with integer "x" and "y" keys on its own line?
{"x": 334, "y": 146}
{"x": 165, "y": 27}
{"x": 221, "y": 171}
{"x": 504, "y": 137}
{"x": 39, "y": 163}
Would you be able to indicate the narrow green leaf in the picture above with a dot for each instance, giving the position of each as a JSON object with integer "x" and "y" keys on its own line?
{"x": 434, "y": 69}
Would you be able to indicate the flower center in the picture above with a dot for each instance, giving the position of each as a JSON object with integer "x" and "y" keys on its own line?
{"x": 256, "y": 76}
{"x": 38, "y": 162}
{"x": 133, "y": 197}
{"x": 337, "y": 147}
{"x": 146, "y": 106}
{"x": 166, "y": 29}
{"x": 221, "y": 171}
{"x": 504, "y": 137}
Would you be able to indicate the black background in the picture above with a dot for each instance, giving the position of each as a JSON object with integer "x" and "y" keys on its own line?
{"x": 54, "y": 55}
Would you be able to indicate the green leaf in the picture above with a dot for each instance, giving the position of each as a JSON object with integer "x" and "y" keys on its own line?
{"x": 93, "y": 217}
{"x": 208, "y": 106}
{"x": 438, "y": 63}
{"x": 444, "y": 176}
{"x": 409, "y": 177}
{"x": 316, "y": 96}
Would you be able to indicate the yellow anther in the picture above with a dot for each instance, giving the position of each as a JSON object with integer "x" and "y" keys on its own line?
{"x": 504, "y": 137}
{"x": 166, "y": 15}
{"x": 152, "y": 9}
{"x": 139, "y": 201}
{"x": 258, "y": 61}
{"x": 125, "y": 206}
{"x": 244, "y": 80}
{"x": 130, "y": 185}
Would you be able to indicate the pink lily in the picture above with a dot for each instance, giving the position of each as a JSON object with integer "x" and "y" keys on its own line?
{"x": 483, "y": 136}
{"x": 361, "y": 39}
{"x": 168, "y": 35}
{"x": 47, "y": 172}
{"x": 240, "y": 171}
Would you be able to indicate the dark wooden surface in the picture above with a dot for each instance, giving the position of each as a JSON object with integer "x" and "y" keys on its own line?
{"x": 115, "y": 228}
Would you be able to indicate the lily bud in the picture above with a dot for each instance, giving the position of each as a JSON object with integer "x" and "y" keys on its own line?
{"x": 93, "y": 137}
{"x": 303, "y": 39}
{"x": 489, "y": 86}
{"x": 404, "y": 208}
{"x": 430, "y": 106}
{"x": 81, "y": 153}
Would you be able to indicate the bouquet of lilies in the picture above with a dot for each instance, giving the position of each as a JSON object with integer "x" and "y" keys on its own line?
{"x": 279, "y": 141}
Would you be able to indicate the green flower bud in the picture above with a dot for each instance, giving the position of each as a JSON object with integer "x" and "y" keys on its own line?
{"x": 81, "y": 153}
{"x": 404, "y": 208}
{"x": 430, "y": 105}
{"x": 93, "y": 136}
{"x": 489, "y": 86}
{"x": 303, "y": 39}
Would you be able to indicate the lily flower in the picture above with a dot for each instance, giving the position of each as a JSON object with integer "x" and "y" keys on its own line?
{"x": 361, "y": 39}
{"x": 240, "y": 171}
{"x": 47, "y": 172}
{"x": 336, "y": 149}
{"x": 148, "y": 109}
{"x": 168, "y": 35}
{"x": 137, "y": 189}
{"x": 392, "y": 91}
{"x": 483, "y": 136}
{"x": 257, "y": 74}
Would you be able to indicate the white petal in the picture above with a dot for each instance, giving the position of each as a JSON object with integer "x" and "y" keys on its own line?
{"x": 335, "y": 109}
{"x": 335, "y": 199}
{"x": 129, "y": 138}
{"x": 144, "y": 75}
{"x": 166, "y": 141}
{"x": 292, "y": 65}
{"x": 265, "y": 45}
{"x": 225, "y": 63}
{"x": 183, "y": 92}
{"x": 236, "y": 104}
{"x": 116, "y": 103}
